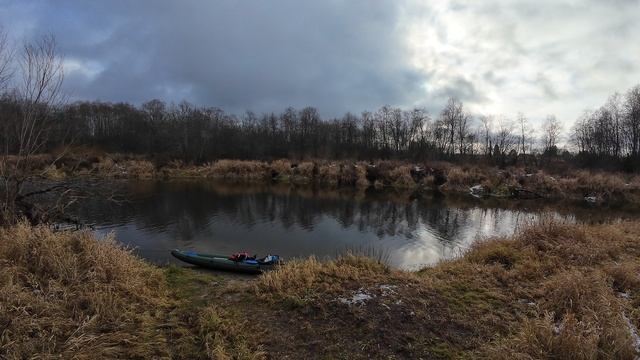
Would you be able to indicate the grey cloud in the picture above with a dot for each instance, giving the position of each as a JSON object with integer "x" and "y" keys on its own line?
{"x": 342, "y": 55}
{"x": 461, "y": 89}
{"x": 546, "y": 86}
{"x": 261, "y": 55}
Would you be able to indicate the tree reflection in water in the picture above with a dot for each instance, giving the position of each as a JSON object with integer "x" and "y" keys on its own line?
{"x": 301, "y": 221}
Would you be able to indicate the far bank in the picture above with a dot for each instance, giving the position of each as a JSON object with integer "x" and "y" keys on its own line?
{"x": 515, "y": 182}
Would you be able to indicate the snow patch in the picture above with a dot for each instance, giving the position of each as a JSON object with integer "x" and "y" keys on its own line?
{"x": 528, "y": 302}
{"x": 388, "y": 289}
{"x": 557, "y": 328}
{"x": 624, "y": 295}
{"x": 634, "y": 334}
{"x": 360, "y": 297}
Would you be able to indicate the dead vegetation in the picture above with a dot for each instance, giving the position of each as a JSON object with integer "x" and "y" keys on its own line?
{"x": 302, "y": 281}
{"x": 511, "y": 182}
{"x": 72, "y": 296}
{"x": 554, "y": 290}
{"x": 68, "y": 295}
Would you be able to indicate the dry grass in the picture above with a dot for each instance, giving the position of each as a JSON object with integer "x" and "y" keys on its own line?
{"x": 299, "y": 281}
{"x": 52, "y": 172}
{"x": 69, "y": 295}
{"x": 328, "y": 173}
{"x": 360, "y": 170}
{"x": 554, "y": 290}
{"x": 543, "y": 183}
{"x": 572, "y": 274}
{"x": 400, "y": 177}
{"x": 582, "y": 319}
{"x": 305, "y": 170}
{"x": 224, "y": 336}
{"x": 509, "y": 182}
{"x": 139, "y": 169}
{"x": 282, "y": 168}
{"x": 551, "y": 291}
{"x": 239, "y": 170}
{"x": 604, "y": 185}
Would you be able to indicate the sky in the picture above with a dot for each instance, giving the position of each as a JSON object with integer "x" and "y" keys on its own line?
{"x": 498, "y": 57}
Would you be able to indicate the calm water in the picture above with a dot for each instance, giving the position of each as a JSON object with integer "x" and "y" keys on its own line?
{"x": 410, "y": 231}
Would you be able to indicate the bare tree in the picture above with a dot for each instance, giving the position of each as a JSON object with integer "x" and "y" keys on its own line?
{"x": 38, "y": 95}
{"x": 614, "y": 107}
{"x": 456, "y": 122}
{"x": 465, "y": 137}
{"x": 419, "y": 121}
{"x": 550, "y": 134}
{"x": 487, "y": 122}
{"x": 524, "y": 127}
{"x": 632, "y": 120}
{"x": 6, "y": 58}
{"x": 505, "y": 139}
{"x": 40, "y": 92}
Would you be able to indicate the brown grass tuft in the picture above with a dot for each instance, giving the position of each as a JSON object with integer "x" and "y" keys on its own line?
{"x": 301, "y": 280}
{"x": 139, "y": 169}
{"x": 625, "y": 277}
{"x": 400, "y": 177}
{"x": 282, "y": 168}
{"x": 305, "y": 170}
{"x": 239, "y": 170}
{"x": 328, "y": 173}
{"x": 224, "y": 337}
{"x": 582, "y": 319}
{"x": 68, "y": 295}
{"x": 360, "y": 170}
{"x": 570, "y": 338}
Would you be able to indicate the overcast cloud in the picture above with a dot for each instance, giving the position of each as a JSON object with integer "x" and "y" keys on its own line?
{"x": 539, "y": 57}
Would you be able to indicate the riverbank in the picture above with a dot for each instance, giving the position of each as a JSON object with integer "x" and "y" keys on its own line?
{"x": 551, "y": 291}
{"x": 479, "y": 181}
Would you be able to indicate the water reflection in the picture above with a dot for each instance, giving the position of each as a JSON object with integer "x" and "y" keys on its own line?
{"x": 412, "y": 231}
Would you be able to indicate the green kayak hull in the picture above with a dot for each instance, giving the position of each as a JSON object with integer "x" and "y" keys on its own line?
{"x": 219, "y": 262}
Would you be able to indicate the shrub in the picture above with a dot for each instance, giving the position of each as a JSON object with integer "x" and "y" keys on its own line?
{"x": 328, "y": 173}
{"x": 305, "y": 170}
{"x": 239, "y": 170}
{"x": 401, "y": 177}
{"x": 495, "y": 251}
{"x": 139, "y": 169}
{"x": 281, "y": 167}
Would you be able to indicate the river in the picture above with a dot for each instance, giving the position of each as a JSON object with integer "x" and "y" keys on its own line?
{"x": 407, "y": 230}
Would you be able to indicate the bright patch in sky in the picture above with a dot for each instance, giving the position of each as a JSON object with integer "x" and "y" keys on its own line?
{"x": 542, "y": 57}
{"x": 76, "y": 67}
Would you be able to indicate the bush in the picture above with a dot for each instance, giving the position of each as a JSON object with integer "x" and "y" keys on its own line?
{"x": 281, "y": 168}
{"x": 239, "y": 170}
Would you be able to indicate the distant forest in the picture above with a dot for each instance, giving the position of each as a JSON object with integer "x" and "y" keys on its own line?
{"x": 201, "y": 134}
{"x": 35, "y": 117}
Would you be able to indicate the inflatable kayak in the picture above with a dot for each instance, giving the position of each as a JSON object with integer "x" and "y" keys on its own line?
{"x": 222, "y": 262}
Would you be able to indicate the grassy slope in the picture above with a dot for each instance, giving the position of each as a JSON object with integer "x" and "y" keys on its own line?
{"x": 67, "y": 295}
{"x": 552, "y": 291}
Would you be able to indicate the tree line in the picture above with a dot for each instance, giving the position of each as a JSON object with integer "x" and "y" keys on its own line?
{"x": 200, "y": 134}
{"x": 35, "y": 118}
{"x": 611, "y": 132}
